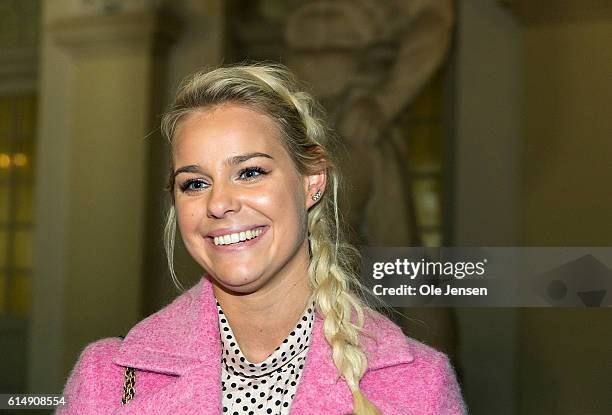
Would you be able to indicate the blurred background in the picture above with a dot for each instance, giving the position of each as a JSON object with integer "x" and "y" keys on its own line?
{"x": 467, "y": 123}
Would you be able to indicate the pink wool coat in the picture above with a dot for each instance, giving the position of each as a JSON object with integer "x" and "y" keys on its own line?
{"x": 177, "y": 356}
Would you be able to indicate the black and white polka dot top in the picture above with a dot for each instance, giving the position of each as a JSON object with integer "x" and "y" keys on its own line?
{"x": 267, "y": 387}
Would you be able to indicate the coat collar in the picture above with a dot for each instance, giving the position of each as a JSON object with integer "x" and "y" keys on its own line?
{"x": 181, "y": 335}
{"x": 185, "y": 334}
{"x": 183, "y": 340}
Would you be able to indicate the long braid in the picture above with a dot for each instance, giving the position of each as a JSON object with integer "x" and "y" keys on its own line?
{"x": 342, "y": 310}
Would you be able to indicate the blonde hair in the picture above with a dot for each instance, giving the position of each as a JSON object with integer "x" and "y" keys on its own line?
{"x": 333, "y": 271}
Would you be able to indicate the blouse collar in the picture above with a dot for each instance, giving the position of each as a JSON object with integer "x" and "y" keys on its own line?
{"x": 296, "y": 342}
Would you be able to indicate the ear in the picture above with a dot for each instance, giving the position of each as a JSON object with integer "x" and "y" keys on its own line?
{"x": 312, "y": 184}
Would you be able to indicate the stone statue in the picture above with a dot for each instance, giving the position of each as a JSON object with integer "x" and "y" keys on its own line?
{"x": 366, "y": 60}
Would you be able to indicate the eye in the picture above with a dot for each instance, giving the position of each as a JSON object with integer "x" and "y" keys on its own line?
{"x": 251, "y": 173}
{"x": 193, "y": 185}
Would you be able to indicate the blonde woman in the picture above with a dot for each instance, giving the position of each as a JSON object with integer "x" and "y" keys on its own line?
{"x": 276, "y": 325}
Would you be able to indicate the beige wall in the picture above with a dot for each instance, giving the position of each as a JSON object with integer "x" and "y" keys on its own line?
{"x": 565, "y": 356}
{"x": 533, "y": 144}
{"x": 568, "y": 134}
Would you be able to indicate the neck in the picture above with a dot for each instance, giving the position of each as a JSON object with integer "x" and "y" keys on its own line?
{"x": 263, "y": 319}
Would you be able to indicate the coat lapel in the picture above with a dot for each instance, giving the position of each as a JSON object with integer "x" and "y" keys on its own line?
{"x": 321, "y": 390}
{"x": 182, "y": 340}
{"x": 194, "y": 392}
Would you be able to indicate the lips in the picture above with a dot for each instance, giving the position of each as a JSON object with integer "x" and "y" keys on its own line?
{"x": 228, "y": 231}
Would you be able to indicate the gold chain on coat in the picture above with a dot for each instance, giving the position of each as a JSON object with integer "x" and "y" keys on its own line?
{"x": 128, "y": 386}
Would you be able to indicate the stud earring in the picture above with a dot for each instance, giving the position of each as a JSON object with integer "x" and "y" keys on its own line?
{"x": 317, "y": 195}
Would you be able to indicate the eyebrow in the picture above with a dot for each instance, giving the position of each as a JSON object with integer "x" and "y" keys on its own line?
{"x": 232, "y": 161}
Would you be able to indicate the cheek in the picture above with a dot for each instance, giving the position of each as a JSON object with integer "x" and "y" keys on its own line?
{"x": 280, "y": 203}
{"x": 292, "y": 209}
{"x": 188, "y": 216}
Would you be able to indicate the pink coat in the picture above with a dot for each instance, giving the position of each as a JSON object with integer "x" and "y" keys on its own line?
{"x": 177, "y": 356}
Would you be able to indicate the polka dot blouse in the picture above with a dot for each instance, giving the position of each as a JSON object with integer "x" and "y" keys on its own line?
{"x": 267, "y": 387}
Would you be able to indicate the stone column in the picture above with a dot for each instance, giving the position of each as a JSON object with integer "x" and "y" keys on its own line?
{"x": 485, "y": 153}
{"x": 98, "y": 88}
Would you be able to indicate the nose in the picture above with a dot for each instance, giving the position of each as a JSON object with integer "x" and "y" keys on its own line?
{"x": 223, "y": 200}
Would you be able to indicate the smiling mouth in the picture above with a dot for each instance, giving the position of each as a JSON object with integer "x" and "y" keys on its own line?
{"x": 238, "y": 237}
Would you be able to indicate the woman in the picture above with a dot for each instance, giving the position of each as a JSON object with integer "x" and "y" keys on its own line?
{"x": 275, "y": 326}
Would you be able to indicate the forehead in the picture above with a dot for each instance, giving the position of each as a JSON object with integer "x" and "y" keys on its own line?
{"x": 224, "y": 131}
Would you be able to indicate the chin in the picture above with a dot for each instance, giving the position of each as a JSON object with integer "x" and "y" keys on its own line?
{"x": 242, "y": 284}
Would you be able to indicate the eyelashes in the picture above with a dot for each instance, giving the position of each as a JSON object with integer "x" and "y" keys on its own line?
{"x": 246, "y": 174}
{"x": 193, "y": 185}
{"x": 252, "y": 170}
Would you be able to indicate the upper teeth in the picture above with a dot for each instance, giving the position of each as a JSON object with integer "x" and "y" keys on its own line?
{"x": 232, "y": 238}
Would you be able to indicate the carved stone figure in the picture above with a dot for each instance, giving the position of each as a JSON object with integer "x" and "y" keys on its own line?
{"x": 366, "y": 60}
